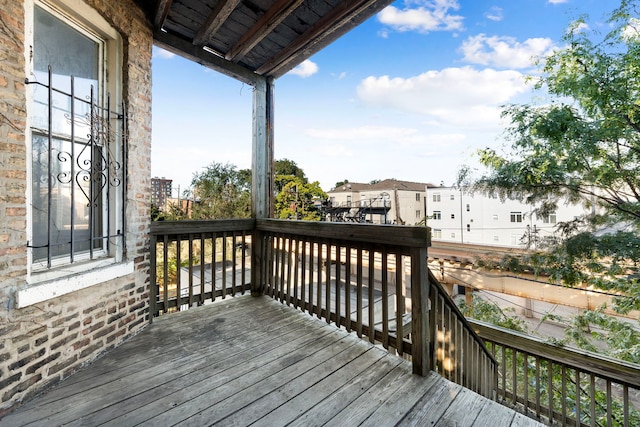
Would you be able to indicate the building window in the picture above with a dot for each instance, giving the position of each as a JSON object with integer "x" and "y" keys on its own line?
{"x": 452, "y": 197}
{"x": 418, "y": 213}
{"x": 436, "y": 233}
{"x": 468, "y": 207}
{"x": 436, "y": 197}
{"x": 453, "y": 216}
{"x": 453, "y": 235}
{"x": 468, "y": 227}
{"x": 496, "y": 238}
{"x": 515, "y": 239}
{"x": 349, "y": 200}
{"x": 549, "y": 219}
{"x": 516, "y": 216}
{"x": 76, "y": 140}
{"x": 417, "y": 197}
{"x": 495, "y": 217}
{"x": 437, "y": 215}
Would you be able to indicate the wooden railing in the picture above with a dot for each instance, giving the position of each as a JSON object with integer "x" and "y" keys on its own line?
{"x": 563, "y": 386}
{"x": 373, "y": 280}
{"x": 193, "y": 262}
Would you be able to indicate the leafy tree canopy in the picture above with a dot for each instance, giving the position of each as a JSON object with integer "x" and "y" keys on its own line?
{"x": 584, "y": 147}
{"x": 299, "y": 199}
{"x": 221, "y": 191}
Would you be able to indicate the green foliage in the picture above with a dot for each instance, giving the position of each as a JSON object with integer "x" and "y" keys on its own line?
{"x": 583, "y": 147}
{"x": 221, "y": 191}
{"x": 284, "y": 170}
{"x": 490, "y": 312}
{"x": 297, "y": 199}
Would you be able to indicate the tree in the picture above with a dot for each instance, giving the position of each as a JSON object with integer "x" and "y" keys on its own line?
{"x": 298, "y": 200}
{"x": 583, "y": 147}
{"x": 284, "y": 170}
{"x": 221, "y": 191}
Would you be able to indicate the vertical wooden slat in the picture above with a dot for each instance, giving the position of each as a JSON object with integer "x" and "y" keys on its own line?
{"x": 625, "y": 404}
{"x": 214, "y": 274}
{"x": 223, "y": 268}
{"x": 311, "y": 270}
{"x": 563, "y": 370}
{"x": 153, "y": 273}
{"x": 243, "y": 260}
{"x": 303, "y": 274}
{"x": 179, "y": 271}
{"x": 296, "y": 272}
{"x": 592, "y": 398}
{"x": 327, "y": 283}
{"x": 577, "y": 399}
{"x": 320, "y": 265}
{"x": 359, "y": 292}
{"x": 371, "y": 295}
{"x": 234, "y": 252}
{"x": 339, "y": 287}
{"x": 550, "y": 388}
{"x": 525, "y": 381}
{"x": 538, "y": 387}
{"x": 400, "y": 307}
{"x": 191, "y": 264}
{"x": 504, "y": 372}
{"x": 384, "y": 270}
{"x": 282, "y": 252}
{"x": 609, "y": 408}
{"x": 202, "y": 269}
{"x": 347, "y": 287}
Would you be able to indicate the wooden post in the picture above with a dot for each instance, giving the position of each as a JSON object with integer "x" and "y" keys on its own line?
{"x": 261, "y": 174}
{"x": 153, "y": 288}
{"x": 419, "y": 312}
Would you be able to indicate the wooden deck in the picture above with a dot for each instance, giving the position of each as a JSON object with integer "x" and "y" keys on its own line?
{"x": 253, "y": 361}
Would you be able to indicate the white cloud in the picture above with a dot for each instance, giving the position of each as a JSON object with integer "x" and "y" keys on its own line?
{"x": 306, "y": 69}
{"x": 504, "y": 52}
{"x": 423, "y": 16}
{"x": 558, "y": 1}
{"x": 632, "y": 29}
{"x": 495, "y": 14}
{"x": 162, "y": 54}
{"x": 453, "y": 96}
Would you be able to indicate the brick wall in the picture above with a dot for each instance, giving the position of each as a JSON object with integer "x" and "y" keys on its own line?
{"x": 44, "y": 343}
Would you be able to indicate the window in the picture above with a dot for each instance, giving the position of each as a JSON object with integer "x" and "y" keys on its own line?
{"x": 417, "y": 197}
{"x": 452, "y": 197}
{"x": 495, "y": 217}
{"x": 76, "y": 142}
{"x": 418, "y": 213}
{"x": 349, "y": 200}
{"x": 453, "y": 216}
{"x": 436, "y": 233}
{"x": 437, "y": 215}
{"x": 436, "y": 197}
{"x": 496, "y": 238}
{"x": 453, "y": 235}
{"x": 516, "y": 216}
{"x": 549, "y": 219}
{"x": 468, "y": 227}
{"x": 468, "y": 207}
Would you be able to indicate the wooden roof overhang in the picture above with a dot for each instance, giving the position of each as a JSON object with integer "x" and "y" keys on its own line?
{"x": 248, "y": 38}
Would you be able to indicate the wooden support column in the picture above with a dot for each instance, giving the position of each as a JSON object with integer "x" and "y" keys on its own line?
{"x": 420, "y": 335}
{"x": 261, "y": 174}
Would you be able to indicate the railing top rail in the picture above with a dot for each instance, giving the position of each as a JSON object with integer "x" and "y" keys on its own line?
{"x": 407, "y": 236}
{"x": 197, "y": 226}
{"x": 606, "y": 367}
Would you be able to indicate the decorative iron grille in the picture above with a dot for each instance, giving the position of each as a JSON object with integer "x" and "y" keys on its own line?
{"x": 78, "y": 174}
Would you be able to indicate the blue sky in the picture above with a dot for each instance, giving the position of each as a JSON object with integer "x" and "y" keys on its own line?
{"x": 411, "y": 94}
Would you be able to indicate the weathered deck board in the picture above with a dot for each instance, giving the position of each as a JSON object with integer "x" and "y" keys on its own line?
{"x": 251, "y": 360}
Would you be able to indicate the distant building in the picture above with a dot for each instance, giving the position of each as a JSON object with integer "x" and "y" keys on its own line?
{"x": 457, "y": 216}
{"x": 160, "y": 191}
{"x": 386, "y": 202}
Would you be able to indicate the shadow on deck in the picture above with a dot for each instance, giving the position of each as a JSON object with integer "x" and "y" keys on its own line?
{"x": 248, "y": 360}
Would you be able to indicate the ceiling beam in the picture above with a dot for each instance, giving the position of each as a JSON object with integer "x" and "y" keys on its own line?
{"x": 214, "y": 21}
{"x": 347, "y": 15}
{"x": 186, "y": 49}
{"x": 277, "y": 13}
{"x": 162, "y": 10}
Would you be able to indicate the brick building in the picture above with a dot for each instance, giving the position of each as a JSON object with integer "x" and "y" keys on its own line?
{"x": 160, "y": 191}
{"x": 74, "y": 209}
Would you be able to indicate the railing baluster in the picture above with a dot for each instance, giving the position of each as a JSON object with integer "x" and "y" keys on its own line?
{"x": 234, "y": 251}
{"x": 347, "y": 287}
{"x": 339, "y": 317}
{"x": 370, "y": 294}
{"x": 303, "y": 275}
{"x": 202, "y": 268}
{"x": 327, "y": 283}
{"x": 311, "y": 270}
{"x": 400, "y": 306}
{"x": 359, "y": 292}
{"x": 385, "y": 299}
{"x": 320, "y": 265}
{"x": 214, "y": 243}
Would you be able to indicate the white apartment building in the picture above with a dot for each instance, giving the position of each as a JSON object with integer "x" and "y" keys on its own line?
{"x": 457, "y": 216}
{"x": 386, "y": 202}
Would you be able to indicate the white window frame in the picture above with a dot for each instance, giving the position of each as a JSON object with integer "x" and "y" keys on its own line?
{"x": 516, "y": 217}
{"x": 63, "y": 277}
{"x": 437, "y": 215}
{"x": 437, "y": 197}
